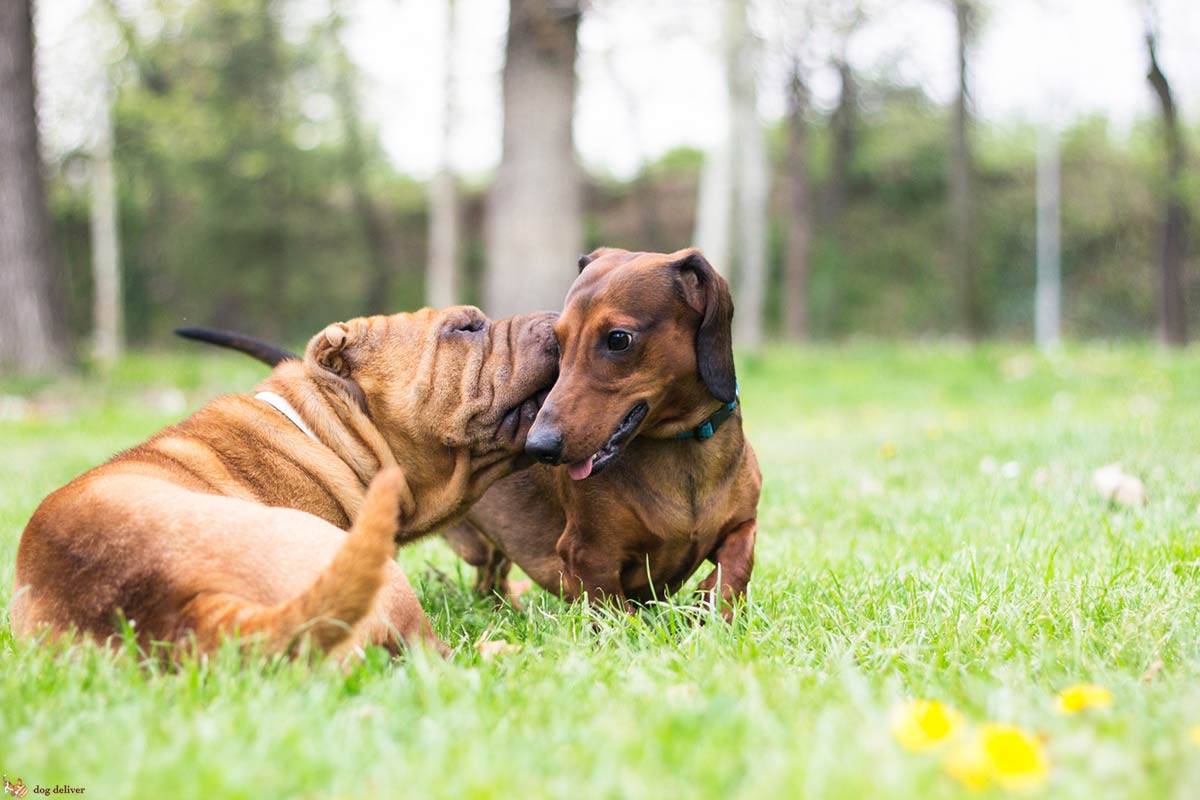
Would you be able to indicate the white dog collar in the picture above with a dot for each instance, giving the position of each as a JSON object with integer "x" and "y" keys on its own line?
{"x": 285, "y": 408}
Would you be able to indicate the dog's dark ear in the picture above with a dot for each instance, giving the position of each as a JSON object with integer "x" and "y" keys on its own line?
{"x": 707, "y": 292}
{"x": 331, "y": 350}
{"x": 584, "y": 260}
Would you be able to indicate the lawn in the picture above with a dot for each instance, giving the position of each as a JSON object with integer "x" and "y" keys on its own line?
{"x": 928, "y": 529}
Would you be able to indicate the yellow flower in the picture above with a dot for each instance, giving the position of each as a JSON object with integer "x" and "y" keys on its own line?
{"x": 1016, "y": 758}
{"x": 967, "y": 763}
{"x": 887, "y": 450}
{"x": 921, "y": 724}
{"x": 1074, "y": 699}
{"x": 1003, "y": 754}
{"x": 1194, "y": 734}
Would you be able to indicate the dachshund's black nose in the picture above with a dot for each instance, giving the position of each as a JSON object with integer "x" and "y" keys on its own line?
{"x": 545, "y": 444}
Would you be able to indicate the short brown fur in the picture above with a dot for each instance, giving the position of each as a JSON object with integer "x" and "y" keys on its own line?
{"x": 642, "y": 527}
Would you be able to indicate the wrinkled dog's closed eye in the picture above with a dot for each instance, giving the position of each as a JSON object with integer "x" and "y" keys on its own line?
{"x": 467, "y": 321}
{"x": 470, "y": 326}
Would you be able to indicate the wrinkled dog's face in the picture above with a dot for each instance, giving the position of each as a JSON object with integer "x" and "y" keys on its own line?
{"x": 452, "y": 391}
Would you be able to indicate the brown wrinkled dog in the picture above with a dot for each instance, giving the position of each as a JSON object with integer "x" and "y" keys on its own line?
{"x": 634, "y": 512}
{"x": 233, "y": 520}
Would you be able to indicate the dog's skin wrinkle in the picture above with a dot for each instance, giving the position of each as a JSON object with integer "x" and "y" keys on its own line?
{"x": 202, "y": 462}
{"x": 312, "y": 479}
{"x": 484, "y": 412}
{"x": 163, "y": 457}
{"x": 422, "y": 387}
{"x": 358, "y": 454}
{"x": 481, "y": 398}
{"x": 358, "y": 445}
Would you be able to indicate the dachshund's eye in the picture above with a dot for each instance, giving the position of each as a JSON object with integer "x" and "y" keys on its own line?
{"x": 619, "y": 340}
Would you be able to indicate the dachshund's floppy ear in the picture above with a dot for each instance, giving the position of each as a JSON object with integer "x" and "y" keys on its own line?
{"x": 708, "y": 293}
{"x": 595, "y": 254}
{"x": 590, "y": 257}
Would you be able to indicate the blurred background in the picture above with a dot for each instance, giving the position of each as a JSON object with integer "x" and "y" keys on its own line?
{"x": 1023, "y": 170}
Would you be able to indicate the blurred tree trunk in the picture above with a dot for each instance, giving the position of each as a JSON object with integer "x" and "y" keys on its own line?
{"x": 714, "y": 206}
{"x": 799, "y": 228}
{"x": 107, "y": 319}
{"x": 1048, "y": 293}
{"x": 751, "y": 175}
{"x": 534, "y": 228}
{"x": 961, "y": 216}
{"x": 642, "y": 186}
{"x": 441, "y": 270}
{"x": 844, "y": 127}
{"x": 378, "y": 296}
{"x": 32, "y": 331}
{"x": 1174, "y": 284}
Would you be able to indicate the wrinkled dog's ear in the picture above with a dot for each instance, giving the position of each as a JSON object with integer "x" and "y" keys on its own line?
{"x": 332, "y": 354}
{"x": 330, "y": 349}
{"x": 708, "y": 293}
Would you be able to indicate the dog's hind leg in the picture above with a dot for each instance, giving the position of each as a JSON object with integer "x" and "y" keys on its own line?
{"x": 326, "y": 613}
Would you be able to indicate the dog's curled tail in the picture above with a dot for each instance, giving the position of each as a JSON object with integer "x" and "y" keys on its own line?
{"x": 325, "y": 613}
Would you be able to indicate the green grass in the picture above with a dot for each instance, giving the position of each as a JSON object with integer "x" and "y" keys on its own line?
{"x": 889, "y": 565}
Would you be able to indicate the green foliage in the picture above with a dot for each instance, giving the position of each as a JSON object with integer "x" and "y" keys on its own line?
{"x": 236, "y": 201}
{"x": 886, "y": 268}
{"x": 239, "y": 201}
{"x": 883, "y": 266}
{"x": 679, "y": 159}
{"x": 889, "y": 565}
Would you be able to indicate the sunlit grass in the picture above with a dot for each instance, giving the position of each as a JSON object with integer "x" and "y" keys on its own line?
{"x": 928, "y": 531}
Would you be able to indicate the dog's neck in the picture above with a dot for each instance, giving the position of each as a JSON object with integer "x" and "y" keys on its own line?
{"x": 337, "y": 419}
{"x": 686, "y": 406}
{"x": 705, "y": 458}
{"x": 333, "y": 417}
{"x": 284, "y": 407}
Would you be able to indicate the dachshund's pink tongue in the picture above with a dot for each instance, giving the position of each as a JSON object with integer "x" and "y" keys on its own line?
{"x": 580, "y": 470}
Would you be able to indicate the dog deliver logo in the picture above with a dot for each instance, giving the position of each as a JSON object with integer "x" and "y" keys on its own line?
{"x": 18, "y": 789}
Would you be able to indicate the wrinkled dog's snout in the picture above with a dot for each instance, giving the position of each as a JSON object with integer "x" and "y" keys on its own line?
{"x": 545, "y": 330}
{"x": 531, "y": 337}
